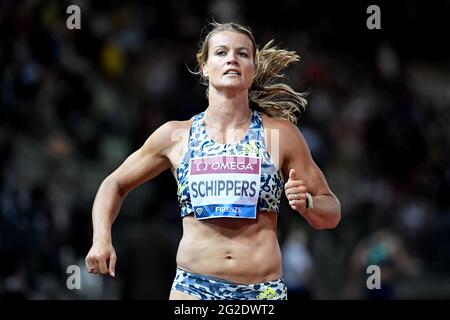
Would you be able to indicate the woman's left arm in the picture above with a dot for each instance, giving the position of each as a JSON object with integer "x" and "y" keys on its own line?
{"x": 306, "y": 177}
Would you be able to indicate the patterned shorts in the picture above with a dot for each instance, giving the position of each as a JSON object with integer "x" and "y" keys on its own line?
{"x": 212, "y": 288}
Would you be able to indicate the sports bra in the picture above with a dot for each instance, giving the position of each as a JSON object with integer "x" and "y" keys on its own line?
{"x": 252, "y": 145}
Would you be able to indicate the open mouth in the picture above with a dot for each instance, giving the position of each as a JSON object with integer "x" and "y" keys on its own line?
{"x": 232, "y": 72}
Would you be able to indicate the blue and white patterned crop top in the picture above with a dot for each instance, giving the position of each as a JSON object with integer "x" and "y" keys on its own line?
{"x": 200, "y": 145}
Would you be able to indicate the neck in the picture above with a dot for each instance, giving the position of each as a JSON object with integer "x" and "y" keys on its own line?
{"x": 228, "y": 110}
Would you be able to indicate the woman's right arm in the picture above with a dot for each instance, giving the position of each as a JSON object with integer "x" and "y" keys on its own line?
{"x": 143, "y": 165}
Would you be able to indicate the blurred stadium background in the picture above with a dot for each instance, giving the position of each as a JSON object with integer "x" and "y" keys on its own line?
{"x": 74, "y": 104}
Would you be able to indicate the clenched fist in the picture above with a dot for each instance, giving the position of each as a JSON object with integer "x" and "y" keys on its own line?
{"x": 102, "y": 258}
{"x": 296, "y": 192}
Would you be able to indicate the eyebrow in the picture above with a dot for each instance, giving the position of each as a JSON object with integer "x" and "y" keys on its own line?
{"x": 225, "y": 47}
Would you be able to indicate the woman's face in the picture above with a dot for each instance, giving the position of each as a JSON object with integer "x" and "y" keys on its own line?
{"x": 230, "y": 62}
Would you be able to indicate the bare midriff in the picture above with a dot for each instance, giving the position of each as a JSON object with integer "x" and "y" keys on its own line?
{"x": 238, "y": 250}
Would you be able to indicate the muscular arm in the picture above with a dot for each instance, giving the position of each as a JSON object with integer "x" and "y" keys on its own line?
{"x": 141, "y": 166}
{"x": 144, "y": 164}
{"x": 326, "y": 213}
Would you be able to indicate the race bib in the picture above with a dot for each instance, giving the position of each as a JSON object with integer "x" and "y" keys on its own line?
{"x": 224, "y": 186}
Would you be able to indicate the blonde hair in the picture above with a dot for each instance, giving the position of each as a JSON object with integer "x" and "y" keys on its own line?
{"x": 267, "y": 94}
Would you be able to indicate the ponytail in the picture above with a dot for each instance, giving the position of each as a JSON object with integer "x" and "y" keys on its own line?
{"x": 267, "y": 94}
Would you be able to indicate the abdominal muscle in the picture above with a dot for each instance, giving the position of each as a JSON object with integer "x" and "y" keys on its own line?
{"x": 243, "y": 251}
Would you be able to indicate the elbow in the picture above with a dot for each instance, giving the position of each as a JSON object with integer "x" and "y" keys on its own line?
{"x": 335, "y": 222}
{"x": 336, "y": 216}
{"x": 331, "y": 222}
{"x": 326, "y": 225}
{"x": 111, "y": 183}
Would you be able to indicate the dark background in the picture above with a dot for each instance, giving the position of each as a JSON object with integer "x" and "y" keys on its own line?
{"x": 75, "y": 103}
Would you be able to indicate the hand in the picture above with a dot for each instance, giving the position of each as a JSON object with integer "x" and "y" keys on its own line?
{"x": 296, "y": 192}
{"x": 102, "y": 258}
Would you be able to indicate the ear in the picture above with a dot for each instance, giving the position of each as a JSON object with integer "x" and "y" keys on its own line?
{"x": 205, "y": 70}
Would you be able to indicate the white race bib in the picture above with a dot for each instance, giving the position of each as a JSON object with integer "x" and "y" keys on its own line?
{"x": 224, "y": 186}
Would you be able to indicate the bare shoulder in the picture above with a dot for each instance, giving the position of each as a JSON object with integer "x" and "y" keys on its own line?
{"x": 286, "y": 128}
{"x": 167, "y": 136}
{"x": 181, "y": 124}
{"x": 174, "y": 125}
{"x": 288, "y": 140}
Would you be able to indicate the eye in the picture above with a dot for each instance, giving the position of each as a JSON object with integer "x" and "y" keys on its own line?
{"x": 220, "y": 53}
{"x": 243, "y": 54}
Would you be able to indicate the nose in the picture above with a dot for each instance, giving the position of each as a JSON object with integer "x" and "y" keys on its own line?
{"x": 231, "y": 60}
